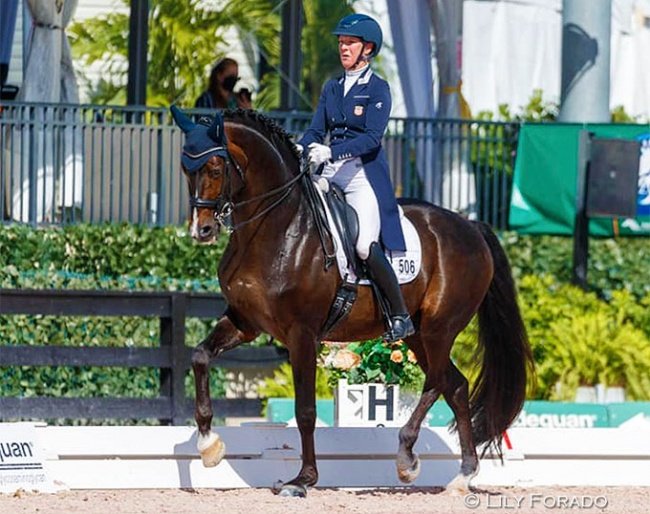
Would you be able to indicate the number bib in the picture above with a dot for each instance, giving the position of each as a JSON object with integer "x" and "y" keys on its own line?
{"x": 407, "y": 264}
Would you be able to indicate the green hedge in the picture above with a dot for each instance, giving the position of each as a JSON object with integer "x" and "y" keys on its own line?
{"x": 112, "y": 257}
{"x": 577, "y": 337}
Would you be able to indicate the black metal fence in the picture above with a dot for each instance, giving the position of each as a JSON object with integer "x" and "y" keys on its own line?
{"x": 171, "y": 357}
{"x": 70, "y": 163}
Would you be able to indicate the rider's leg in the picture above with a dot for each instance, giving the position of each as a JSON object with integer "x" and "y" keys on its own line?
{"x": 382, "y": 273}
{"x": 361, "y": 197}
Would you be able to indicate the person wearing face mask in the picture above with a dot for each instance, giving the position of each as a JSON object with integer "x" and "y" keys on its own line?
{"x": 220, "y": 93}
{"x": 354, "y": 110}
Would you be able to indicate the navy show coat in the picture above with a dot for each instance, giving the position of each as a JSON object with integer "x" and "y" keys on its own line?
{"x": 356, "y": 124}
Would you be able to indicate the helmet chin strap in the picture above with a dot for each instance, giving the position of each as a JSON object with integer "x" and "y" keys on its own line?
{"x": 360, "y": 59}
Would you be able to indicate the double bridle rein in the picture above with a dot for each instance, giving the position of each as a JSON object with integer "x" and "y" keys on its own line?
{"x": 224, "y": 206}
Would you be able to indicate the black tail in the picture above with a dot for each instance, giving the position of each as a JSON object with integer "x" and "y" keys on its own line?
{"x": 500, "y": 390}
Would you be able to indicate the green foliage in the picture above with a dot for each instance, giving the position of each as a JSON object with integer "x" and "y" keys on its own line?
{"x": 615, "y": 264}
{"x": 110, "y": 250}
{"x": 374, "y": 361}
{"x": 580, "y": 339}
{"x": 91, "y": 331}
{"x": 100, "y": 257}
{"x": 620, "y": 116}
{"x": 537, "y": 110}
{"x": 320, "y": 46}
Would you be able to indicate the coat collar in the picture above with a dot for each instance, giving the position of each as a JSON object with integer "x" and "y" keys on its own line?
{"x": 365, "y": 76}
{"x": 362, "y": 80}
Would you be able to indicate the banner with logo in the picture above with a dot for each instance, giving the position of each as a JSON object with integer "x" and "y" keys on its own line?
{"x": 544, "y": 188}
{"x": 22, "y": 462}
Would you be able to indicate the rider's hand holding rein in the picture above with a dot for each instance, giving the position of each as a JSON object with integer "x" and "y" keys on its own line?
{"x": 319, "y": 154}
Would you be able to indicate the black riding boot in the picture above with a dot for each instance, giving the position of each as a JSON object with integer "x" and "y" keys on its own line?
{"x": 382, "y": 274}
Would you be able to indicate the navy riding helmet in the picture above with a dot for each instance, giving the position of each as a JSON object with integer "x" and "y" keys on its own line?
{"x": 361, "y": 26}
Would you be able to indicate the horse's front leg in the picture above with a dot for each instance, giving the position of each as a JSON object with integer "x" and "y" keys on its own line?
{"x": 303, "y": 366}
{"x": 222, "y": 337}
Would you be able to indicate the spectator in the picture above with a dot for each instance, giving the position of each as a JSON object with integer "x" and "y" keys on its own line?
{"x": 220, "y": 93}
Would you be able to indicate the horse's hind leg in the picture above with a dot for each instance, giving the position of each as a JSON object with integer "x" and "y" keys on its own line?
{"x": 408, "y": 463}
{"x": 222, "y": 337}
{"x": 457, "y": 395}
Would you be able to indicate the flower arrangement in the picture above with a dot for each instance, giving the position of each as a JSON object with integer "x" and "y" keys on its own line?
{"x": 373, "y": 361}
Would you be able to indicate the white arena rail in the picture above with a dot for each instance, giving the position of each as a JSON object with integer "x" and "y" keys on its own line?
{"x": 259, "y": 455}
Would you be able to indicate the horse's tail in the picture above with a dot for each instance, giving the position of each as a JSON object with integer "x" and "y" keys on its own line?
{"x": 500, "y": 390}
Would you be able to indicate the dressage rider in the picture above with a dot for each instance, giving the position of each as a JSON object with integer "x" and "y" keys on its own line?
{"x": 354, "y": 111}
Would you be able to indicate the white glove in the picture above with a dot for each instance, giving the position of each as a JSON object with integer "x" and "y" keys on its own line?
{"x": 319, "y": 154}
{"x": 299, "y": 148}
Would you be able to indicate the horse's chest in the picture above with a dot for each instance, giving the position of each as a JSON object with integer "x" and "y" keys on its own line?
{"x": 246, "y": 293}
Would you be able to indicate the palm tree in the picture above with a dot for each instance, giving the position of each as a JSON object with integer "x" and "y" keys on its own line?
{"x": 321, "y": 58}
{"x": 184, "y": 38}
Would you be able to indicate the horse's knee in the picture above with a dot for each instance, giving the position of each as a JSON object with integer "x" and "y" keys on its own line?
{"x": 200, "y": 358}
{"x": 306, "y": 417}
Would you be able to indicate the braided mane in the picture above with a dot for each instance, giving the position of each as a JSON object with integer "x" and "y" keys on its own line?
{"x": 276, "y": 134}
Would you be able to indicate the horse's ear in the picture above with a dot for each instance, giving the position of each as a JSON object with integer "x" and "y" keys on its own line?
{"x": 181, "y": 119}
{"x": 215, "y": 132}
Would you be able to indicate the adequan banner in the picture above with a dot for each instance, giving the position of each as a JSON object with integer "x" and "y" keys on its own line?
{"x": 544, "y": 188}
{"x": 22, "y": 462}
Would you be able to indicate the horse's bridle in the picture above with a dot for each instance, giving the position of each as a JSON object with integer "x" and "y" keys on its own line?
{"x": 224, "y": 206}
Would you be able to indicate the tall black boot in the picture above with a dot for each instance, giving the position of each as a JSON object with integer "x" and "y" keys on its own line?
{"x": 382, "y": 274}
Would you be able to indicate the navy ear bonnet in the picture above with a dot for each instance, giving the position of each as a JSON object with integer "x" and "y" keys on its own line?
{"x": 202, "y": 141}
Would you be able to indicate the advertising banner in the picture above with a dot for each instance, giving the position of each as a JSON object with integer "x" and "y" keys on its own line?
{"x": 22, "y": 460}
{"x": 545, "y": 180}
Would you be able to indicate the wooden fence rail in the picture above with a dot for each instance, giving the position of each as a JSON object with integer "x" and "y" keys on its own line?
{"x": 172, "y": 356}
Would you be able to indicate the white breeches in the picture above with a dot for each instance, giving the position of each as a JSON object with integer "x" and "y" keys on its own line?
{"x": 351, "y": 177}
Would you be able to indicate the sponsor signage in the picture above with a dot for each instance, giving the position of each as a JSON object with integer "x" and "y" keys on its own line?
{"x": 643, "y": 196}
{"x": 541, "y": 414}
{"x": 22, "y": 460}
{"x": 535, "y": 414}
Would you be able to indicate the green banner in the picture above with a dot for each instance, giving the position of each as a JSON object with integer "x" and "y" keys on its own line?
{"x": 541, "y": 414}
{"x": 631, "y": 414}
{"x": 544, "y": 190}
{"x": 535, "y": 414}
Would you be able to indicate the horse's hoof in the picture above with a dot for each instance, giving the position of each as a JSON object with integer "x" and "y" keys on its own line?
{"x": 293, "y": 491}
{"x": 460, "y": 485}
{"x": 408, "y": 475}
{"x": 212, "y": 449}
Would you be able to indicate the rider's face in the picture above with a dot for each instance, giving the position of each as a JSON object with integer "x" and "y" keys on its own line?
{"x": 350, "y": 47}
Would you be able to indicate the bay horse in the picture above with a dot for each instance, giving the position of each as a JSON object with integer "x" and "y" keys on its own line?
{"x": 273, "y": 276}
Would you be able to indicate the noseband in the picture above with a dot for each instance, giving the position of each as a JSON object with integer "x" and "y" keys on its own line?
{"x": 224, "y": 206}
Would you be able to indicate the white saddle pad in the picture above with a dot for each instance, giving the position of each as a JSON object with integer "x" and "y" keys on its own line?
{"x": 406, "y": 264}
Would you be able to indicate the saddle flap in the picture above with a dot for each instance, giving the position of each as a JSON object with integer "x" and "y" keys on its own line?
{"x": 347, "y": 223}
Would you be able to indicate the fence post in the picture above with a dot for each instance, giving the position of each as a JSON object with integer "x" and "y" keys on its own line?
{"x": 172, "y": 334}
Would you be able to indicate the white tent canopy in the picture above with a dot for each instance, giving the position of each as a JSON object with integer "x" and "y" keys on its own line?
{"x": 511, "y": 48}
{"x": 49, "y": 77}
